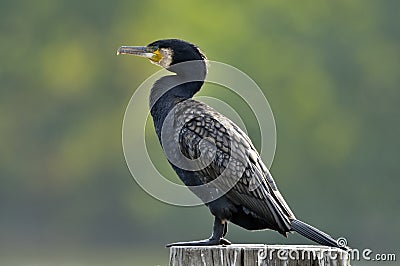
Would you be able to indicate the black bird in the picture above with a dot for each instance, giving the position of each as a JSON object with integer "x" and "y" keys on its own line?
{"x": 203, "y": 146}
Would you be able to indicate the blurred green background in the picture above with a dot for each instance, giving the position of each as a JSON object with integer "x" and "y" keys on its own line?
{"x": 330, "y": 71}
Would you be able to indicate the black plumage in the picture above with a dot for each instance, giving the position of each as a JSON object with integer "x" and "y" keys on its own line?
{"x": 207, "y": 149}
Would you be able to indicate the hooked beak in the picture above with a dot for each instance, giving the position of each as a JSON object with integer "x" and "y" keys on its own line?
{"x": 142, "y": 51}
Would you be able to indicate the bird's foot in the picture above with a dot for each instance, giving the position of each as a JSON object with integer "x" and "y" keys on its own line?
{"x": 205, "y": 242}
{"x": 224, "y": 241}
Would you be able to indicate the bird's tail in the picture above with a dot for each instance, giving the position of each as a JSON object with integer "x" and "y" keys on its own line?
{"x": 314, "y": 234}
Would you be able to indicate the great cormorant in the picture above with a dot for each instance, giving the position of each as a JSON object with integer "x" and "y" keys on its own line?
{"x": 196, "y": 128}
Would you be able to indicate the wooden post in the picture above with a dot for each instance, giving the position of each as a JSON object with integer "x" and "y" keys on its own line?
{"x": 257, "y": 254}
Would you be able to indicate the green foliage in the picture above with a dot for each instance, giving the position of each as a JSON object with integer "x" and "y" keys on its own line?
{"x": 330, "y": 71}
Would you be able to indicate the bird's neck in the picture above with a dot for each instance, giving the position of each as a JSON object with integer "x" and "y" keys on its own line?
{"x": 166, "y": 93}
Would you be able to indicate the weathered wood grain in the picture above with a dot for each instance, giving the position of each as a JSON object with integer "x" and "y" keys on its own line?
{"x": 257, "y": 254}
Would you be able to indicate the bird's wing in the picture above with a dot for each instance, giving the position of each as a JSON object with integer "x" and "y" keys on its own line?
{"x": 226, "y": 154}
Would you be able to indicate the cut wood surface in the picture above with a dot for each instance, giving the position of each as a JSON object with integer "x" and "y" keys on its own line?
{"x": 258, "y": 254}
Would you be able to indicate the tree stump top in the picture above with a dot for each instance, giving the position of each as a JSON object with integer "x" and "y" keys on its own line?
{"x": 258, "y": 254}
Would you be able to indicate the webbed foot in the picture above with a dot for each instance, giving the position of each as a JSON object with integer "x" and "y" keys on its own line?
{"x": 205, "y": 242}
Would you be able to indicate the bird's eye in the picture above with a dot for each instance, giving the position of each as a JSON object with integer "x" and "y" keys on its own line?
{"x": 154, "y": 47}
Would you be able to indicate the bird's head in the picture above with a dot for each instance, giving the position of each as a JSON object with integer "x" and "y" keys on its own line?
{"x": 166, "y": 53}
